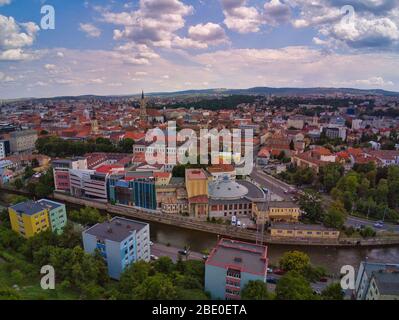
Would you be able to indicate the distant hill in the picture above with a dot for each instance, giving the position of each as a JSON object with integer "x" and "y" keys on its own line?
{"x": 281, "y": 91}
{"x": 222, "y": 91}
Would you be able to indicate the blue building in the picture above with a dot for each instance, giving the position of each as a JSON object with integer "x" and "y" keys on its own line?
{"x": 120, "y": 241}
{"x": 231, "y": 265}
{"x": 136, "y": 191}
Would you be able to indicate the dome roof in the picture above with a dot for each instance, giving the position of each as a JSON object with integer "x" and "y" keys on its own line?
{"x": 226, "y": 189}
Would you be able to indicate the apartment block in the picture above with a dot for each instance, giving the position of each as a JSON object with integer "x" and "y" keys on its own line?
{"x": 32, "y": 217}
{"x": 231, "y": 265}
{"x": 23, "y": 141}
{"x": 57, "y": 215}
{"x": 120, "y": 241}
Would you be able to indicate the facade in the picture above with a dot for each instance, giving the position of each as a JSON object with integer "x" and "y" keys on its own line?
{"x": 231, "y": 265}
{"x": 135, "y": 191}
{"x": 365, "y": 276}
{"x": 57, "y": 215}
{"x": 120, "y": 241}
{"x": 61, "y": 172}
{"x": 303, "y": 231}
{"x": 228, "y": 198}
{"x": 4, "y": 149}
{"x": 23, "y": 141}
{"x": 277, "y": 211}
{"x": 197, "y": 192}
{"x": 32, "y": 217}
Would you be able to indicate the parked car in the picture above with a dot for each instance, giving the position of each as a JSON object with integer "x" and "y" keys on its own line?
{"x": 271, "y": 280}
{"x": 324, "y": 280}
{"x": 269, "y": 270}
{"x": 151, "y": 243}
{"x": 279, "y": 272}
{"x": 154, "y": 258}
{"x": 205, "y": 257}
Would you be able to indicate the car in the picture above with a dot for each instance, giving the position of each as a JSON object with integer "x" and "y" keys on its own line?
{"x": 151, "y": 243}
{"x": 154, "y": 258}
{"x": 238, "y": 223}
{"x": 271, "y": 280}
{"x": 205, "y": 257}
{"x": 279, "y": 272}
{"x": 324, "y": 280}
{"x": 269, "y": 270}
{"x": 183, "y": 252}
{"x": 378, "y": 225}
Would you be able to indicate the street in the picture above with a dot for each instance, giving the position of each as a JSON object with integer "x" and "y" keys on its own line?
{"x": 160, "y": 250}
{"x": 277, "y": 187}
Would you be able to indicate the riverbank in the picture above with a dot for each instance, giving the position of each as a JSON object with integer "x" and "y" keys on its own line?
{"x": 225, "y": 230}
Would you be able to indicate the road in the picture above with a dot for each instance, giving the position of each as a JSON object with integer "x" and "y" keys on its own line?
{"x": 160, "y": 250}
{"x": 279, "y": 188}
{"x": 357, "y": 222}
{"x": 276, "y": 186}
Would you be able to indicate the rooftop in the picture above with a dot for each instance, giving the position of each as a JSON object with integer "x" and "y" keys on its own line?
{"x": 29, "y": 207}
{"x": 247, "y": 257}
{"x": 387, "y": 282}
{"x": 196, "y": 174}
{"x": 118, "y": 229}
{"x": 50, "y": 204}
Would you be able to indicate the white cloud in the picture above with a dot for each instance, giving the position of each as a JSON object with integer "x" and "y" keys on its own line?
{"x": 4, "y": 2}
{"x": 91, "y": 30}
{"x": 201, "y": 36}
{"x": 240, "y": 17}
{"x": 153, "y": 24}
{"x": 14, "y": 36}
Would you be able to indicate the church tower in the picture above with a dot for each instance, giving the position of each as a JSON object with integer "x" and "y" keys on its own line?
{"x": 94, "y": 122}
{"x": 143, "y": 107}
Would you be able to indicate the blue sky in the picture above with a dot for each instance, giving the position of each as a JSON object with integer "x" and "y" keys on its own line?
{"x": 121, "y": 47}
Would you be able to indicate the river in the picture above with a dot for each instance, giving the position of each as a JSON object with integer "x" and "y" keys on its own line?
{"x": 332, "y": 259}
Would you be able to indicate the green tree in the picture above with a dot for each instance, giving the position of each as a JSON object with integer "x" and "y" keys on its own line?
{"x": 294, "y": 261}
{"x": 255, "y": 290}
{"x": 164, "y": 265}
{"x": 332, "y": 292}
{"x": 311, "y": 203}
{"x": 335, "y": 216}
{"x": 330, "y": 175}
{"x": 293, "y": 286}
{"x": 157, "y": 287}
{"x": 18, "y": 184}
{"x": 126, "y": 145}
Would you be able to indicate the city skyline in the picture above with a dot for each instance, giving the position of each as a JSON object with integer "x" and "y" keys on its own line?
{"x": 120, "y": 47}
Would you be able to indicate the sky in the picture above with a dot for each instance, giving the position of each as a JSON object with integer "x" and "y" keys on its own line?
{"x": 109, "y": 47}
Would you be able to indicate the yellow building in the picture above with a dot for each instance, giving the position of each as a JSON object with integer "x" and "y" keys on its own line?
{"x": 277, "y": 211}
{"x": 29, "y": 218}
{"x": 303, "y": 231}
{"x": 196, "y": 183}
{"x": 197, "y": 192}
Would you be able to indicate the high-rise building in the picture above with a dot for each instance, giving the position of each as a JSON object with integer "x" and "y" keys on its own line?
{"x": 231, "y": 265}
{"x": 120, "y": 241}
{"x": 23, "y": 141}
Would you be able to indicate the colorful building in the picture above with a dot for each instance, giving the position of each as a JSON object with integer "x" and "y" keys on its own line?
{"x": 29, "y": 218}
{"x": 133, "y": 189}
{"x": 231, "y": 265}
{"x": 120, "y": 241}
{"x": 197, "y": 192}
{"x": 57, "y": 215}
{"x": 32, "y": 217}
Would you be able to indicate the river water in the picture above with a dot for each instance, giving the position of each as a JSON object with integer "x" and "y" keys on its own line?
{"x": 332, "y": 259}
